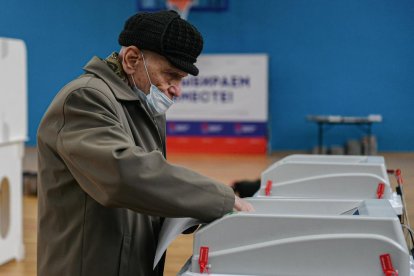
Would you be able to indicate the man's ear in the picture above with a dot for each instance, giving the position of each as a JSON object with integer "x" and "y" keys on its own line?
{"x": 131, "y": 57}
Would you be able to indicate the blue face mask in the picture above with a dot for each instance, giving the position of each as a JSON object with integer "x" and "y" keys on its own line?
{"x": 156, "y": 99}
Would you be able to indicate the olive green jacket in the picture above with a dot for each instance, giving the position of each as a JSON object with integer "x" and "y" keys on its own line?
{"x": 104, "y": 182}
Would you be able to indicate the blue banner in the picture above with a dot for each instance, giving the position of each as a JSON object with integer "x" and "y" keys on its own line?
{"x": 216, "y": 129}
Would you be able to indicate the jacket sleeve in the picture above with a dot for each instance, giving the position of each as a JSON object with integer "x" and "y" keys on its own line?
{"x": 115, "y": 172}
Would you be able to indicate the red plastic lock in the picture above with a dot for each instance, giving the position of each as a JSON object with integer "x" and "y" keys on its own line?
{"x": 380, "y": 190}
{"x": 203, "y": 259}
{"x": 268, "y": 189}
{"x": 399, "y": 177}
{"x": 387, "y": 266}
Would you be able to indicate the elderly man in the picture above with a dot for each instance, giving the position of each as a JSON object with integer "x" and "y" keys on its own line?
{"x": 104, "y": 182}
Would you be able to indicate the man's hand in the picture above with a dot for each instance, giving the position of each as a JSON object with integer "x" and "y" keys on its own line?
{"x": 242, "y": 205}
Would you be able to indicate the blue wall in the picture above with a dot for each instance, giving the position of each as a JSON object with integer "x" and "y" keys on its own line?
{"x": 347, "y": 57}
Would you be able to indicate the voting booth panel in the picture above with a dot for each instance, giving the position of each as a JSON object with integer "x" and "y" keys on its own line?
{"x": 313, "y": 215}
{"x": 11, "y": 233}
{"x": 324, "y": 176}
{"x": 302, "y": 166}
{"x": 13, "y": 85}
{"x": 320, "y": 237}
{"x": 13, "y": 134}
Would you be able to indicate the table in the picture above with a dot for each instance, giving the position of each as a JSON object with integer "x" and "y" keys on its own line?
{"x": 331, "y": 120}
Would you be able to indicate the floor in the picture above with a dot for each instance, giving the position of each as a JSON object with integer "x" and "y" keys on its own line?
{"x": 226, "y": 168}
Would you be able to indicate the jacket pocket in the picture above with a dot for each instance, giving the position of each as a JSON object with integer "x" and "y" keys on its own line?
{"x": 124, "y": 258}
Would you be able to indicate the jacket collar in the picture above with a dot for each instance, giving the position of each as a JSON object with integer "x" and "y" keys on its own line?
{"x": 120, "y": 89}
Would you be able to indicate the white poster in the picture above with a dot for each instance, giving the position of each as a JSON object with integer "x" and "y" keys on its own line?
{"x": 231, "y": 87}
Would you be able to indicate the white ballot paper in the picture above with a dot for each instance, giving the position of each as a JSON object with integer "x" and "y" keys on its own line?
{"x": 171, "y": 228}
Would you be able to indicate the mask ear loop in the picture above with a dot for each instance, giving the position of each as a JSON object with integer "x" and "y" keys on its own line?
{"x": 133, "y": 81}
{"x": 146, "y": 70}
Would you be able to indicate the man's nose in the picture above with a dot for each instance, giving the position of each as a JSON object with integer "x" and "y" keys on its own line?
{"x": 175, "y": 89}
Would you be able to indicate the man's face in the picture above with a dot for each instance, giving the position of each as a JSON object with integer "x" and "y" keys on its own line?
{"x": 162, "y": 73}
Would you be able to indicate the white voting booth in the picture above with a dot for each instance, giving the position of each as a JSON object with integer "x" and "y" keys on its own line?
{"x": 329, "y": 176}
{"x": 314, "y": 215}
{"x": 13, "y": 134}
{"x": 303, "y": 237}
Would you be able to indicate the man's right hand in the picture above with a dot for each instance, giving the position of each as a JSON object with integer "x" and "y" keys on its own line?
{"x": 242, "y": 205}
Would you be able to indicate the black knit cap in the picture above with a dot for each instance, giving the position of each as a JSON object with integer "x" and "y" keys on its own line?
{"x": 167, "y": 34}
